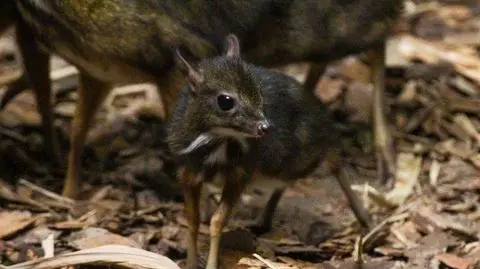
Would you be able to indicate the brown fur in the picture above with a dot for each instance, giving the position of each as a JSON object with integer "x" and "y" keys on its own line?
{"x": 120, "y": 41}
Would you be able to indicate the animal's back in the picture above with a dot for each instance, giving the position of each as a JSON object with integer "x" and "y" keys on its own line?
{"x": 303, "y": 129}
{"x": 273, "y": 32}
{"x": 114, "y": 40}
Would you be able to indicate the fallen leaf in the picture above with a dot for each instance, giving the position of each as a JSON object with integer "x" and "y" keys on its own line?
{"x": 94, "y": 237}
{"x": 13, "y": 222}
{"x": 48, "y": 246}
{"x": 453, "y": 261}
{"x": 112, "y": 255}
{"x": 408, "y": 170}
{"x": 68, "y": 225}
{"x": 329, "y": 89}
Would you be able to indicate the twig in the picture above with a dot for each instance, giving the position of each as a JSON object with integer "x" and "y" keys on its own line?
{"x": 87, "y": 215}
{"x": 153, "y": 209}
{"x": 8, "y": 195}
{"x": 64, "y": 72}
{"x": 47, "y": 193}
{"x": 13, "y": 135}
{"x": 401, "y": 214}
{"x": 267, "y": 263}
{"x": 358, "y": 251}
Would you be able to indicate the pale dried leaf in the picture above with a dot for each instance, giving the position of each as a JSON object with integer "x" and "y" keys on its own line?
{"x": 48, "y": 246}
{"x": 68, "y": 225}
{"x": 94, "y": 237}
{"x": 111, "y": 255}
{"x": 408, "y": 93}
{"x": 65, "y": 109}
{"x": 395, "y": 57}
{"x": 464, "y": 122}
{"x": 13, "y": 222}
{"x": 408, "y": 170}
{"x": 465, "y": 86}
{"x": 434, "y": 172}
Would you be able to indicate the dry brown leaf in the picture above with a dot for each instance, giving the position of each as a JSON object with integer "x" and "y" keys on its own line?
{"x": 68, "y": 225}
{"x": 407, "y": 233}
{"x": 453, "y": 261}
{"x": 353, "y": 69}
{"x": 464, "y": 122}
{"x": 94, "y": 237}
{"x": 111, "y": 255}
{"x": 13, "y": 222}
{"x": 329, "y": 89}
{"x": 434, "y": 52}
{"x": 442, "y": 221}
{"x": 387, "y": 251}
{"x": 408, "y": 93}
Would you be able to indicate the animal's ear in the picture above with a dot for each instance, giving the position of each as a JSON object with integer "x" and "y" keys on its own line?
{"x": 232, "y": 46}
{"x": 194, "y": 77}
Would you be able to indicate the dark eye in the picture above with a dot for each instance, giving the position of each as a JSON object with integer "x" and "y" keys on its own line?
{"x": 225, "y": 102}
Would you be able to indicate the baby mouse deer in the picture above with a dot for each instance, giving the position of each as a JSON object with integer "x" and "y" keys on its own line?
{"x": 244, "y": 123}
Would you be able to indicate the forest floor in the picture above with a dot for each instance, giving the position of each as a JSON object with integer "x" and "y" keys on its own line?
{"x": 430, "y": 219}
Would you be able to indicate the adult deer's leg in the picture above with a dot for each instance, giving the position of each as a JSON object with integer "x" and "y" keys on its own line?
{"x": 37, "y": 69}
{"x": 384, "y": 147}
{"x": 91, "y": 94}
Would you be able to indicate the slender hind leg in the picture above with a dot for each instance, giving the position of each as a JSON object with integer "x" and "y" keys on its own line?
{"x": 264, "y": 223}
{"x": 342, "y": 177}
{"x": 37, "y": 68}
{"x": 384, "y": 148}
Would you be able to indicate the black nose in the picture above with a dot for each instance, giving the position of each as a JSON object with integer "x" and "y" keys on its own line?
{"x": 263, "y": 128}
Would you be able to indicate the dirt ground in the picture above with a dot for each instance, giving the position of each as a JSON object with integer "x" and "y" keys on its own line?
{"x": 430, "y": 219}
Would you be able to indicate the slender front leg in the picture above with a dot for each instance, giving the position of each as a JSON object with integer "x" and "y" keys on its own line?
{"x": 192, "y": 189}
{"x": 384, "y": 148}
{"x": 37, "y": 68}
{"x": 91, "y": 94}
{"x": 209, "y": 199}
{"x": 234, "y": 186}
{"x": 314, "y": 74}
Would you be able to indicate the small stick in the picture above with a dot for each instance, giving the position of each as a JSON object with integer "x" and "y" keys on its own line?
{"x": 13, "y": 135}
{"x": 267, "y": 263}
{"x": 358, "y": 251}
{"x": 47, "y": 193}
